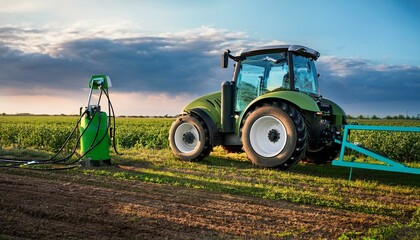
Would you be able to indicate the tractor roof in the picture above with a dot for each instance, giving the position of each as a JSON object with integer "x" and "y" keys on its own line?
{"x": 302, "y": 50}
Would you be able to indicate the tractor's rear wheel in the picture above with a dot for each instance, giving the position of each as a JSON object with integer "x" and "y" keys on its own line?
{"x": 329, "y": 151}
{"x": 325, "y": 155}
{"x": 189, "y": 138}
{"x": 274, "y": 136}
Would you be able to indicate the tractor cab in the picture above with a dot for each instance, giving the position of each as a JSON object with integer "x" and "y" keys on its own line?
{"x": 273, "y": 69}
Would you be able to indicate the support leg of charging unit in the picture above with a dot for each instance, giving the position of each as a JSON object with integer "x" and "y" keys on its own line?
{"x": 351, "y": 173}
{"x": 387, "y": 163}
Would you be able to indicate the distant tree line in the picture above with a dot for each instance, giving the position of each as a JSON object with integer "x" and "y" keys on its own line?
{"x": 141, "y": 116}
{"x": 122, "y": 116}
{"x": 31, "y": 114}
{"x": 374, "y": 117}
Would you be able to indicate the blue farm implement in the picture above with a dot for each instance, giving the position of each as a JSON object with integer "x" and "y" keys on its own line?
{"x": 384, "y": 163}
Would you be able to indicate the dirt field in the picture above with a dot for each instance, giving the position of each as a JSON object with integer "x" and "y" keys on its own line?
{"x": 58, "y": 205}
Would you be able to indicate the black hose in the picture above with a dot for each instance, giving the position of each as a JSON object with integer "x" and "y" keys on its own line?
{"x": 17, "y": 163}
{"x": 50, "y": 160}
{"x": 108, "y": 128}
{"x": 93, "y": 145}
{"x": 114, "y": 145}
{"x": 55, "y": 155}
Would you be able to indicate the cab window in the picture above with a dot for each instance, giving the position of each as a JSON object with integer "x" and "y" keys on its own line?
{"x": 258, "y": 75}
{"x": 305, "y": 75}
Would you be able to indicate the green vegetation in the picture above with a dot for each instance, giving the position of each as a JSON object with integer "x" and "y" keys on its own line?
{"x": 407, "y": 231}
{"x": 401, "y": 146}
{"x": 49, "y": 132}
{"x": 394, "y": 195}
{"x": 147, "y": 158}
{"x": 305, "y": 183}
{"x": 143, "y": 133}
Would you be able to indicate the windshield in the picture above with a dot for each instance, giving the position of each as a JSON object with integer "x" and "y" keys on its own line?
{"x": 260, "y": 74}
{"x": 269, "y": 72}
{"x": 306, "y": 77}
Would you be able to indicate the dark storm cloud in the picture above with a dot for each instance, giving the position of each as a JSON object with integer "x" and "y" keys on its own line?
{"x": 183, "y": 63}
{"x": 150, "y": 64}
{"x": 359, "y": 80}
{"x": 26, "y": 71}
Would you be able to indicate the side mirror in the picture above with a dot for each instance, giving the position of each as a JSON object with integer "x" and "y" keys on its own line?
{"x": 225, "y": 59}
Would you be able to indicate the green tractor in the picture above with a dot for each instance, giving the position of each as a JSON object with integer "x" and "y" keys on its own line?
{"x": 272, "y": 109}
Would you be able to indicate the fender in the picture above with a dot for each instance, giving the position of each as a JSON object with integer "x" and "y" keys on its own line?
{"x": 298, "y": 99}
{"x": 215, "y": 138}
{"x": 209, "y": 104}
{"x": 337, "y": 112}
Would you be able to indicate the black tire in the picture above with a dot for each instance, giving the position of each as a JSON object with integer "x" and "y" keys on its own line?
{"x": 233, "y": 148}
{"x": 274, "y": 136}
{"x": 325, "y": 155}
{"x": 329, "y": 151}
{"x": 189, "y": 138}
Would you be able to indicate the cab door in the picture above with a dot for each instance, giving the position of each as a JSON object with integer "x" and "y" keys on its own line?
{"x": 258, "y": 75}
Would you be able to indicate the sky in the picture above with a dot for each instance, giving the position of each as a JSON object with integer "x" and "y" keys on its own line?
{"x": 162, "y": 54}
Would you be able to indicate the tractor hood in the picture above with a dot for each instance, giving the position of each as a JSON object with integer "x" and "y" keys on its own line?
{"x": 210, "y": 104}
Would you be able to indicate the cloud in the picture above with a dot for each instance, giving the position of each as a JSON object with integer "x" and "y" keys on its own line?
{"x": 360, "y": 80}
{"x": 179, "y": 65}
{"x": 148, "y": 64}
{"x": 364, "y": 87}
{"x": 70, "y": 101}
{"x": 30, "y": 71}
{"x": 19, "y": 6}
{"x": 148, "y": 104}
{"x": 185, "y": 62}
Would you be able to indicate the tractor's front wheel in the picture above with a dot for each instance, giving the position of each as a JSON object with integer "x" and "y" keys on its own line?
{"x": 274, "y": 136}
{"x": 189, "y": 138}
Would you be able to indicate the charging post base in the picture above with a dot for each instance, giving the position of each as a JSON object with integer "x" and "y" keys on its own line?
{"x": 88, "y": 163}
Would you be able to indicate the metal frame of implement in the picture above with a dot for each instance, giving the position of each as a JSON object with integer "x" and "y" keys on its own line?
{"x": 390, "y": 165}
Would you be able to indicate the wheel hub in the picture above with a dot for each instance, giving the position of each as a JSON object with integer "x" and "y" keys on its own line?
{"x": 188, "y": 137}
{"x": 268, "y": 136}
{"x": 273, "y": 135}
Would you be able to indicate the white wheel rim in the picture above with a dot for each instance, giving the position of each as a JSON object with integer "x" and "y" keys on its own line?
{"x": 186, "y": 137}
{"x": 268, "y": 136}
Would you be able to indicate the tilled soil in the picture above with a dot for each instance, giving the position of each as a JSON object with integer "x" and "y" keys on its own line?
{"x": 56, "y": 205}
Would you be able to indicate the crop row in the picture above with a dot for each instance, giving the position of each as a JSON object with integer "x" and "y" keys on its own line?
{"x": 49, "y": 133}
{"x": 23, "y": 132}
{"x": 401, "y": 146}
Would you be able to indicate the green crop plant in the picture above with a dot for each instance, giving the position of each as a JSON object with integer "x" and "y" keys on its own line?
{"x": 401, "y": 146}
{"x": 49, "y": 132}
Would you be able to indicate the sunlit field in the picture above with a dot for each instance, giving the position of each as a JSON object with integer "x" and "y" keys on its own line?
{"x": 147, "y": 158}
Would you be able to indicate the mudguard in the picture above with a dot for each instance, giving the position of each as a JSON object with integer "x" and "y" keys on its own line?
{"x": 337, "y": 112}
{"x": 211, "y": 104}
{"x": 296, "y": 99}
{"x": 208, "y": 107}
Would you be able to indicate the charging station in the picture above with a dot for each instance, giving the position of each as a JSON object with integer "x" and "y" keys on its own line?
{"x": 96, "y": 136}
{"x": 94, "y": 124}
